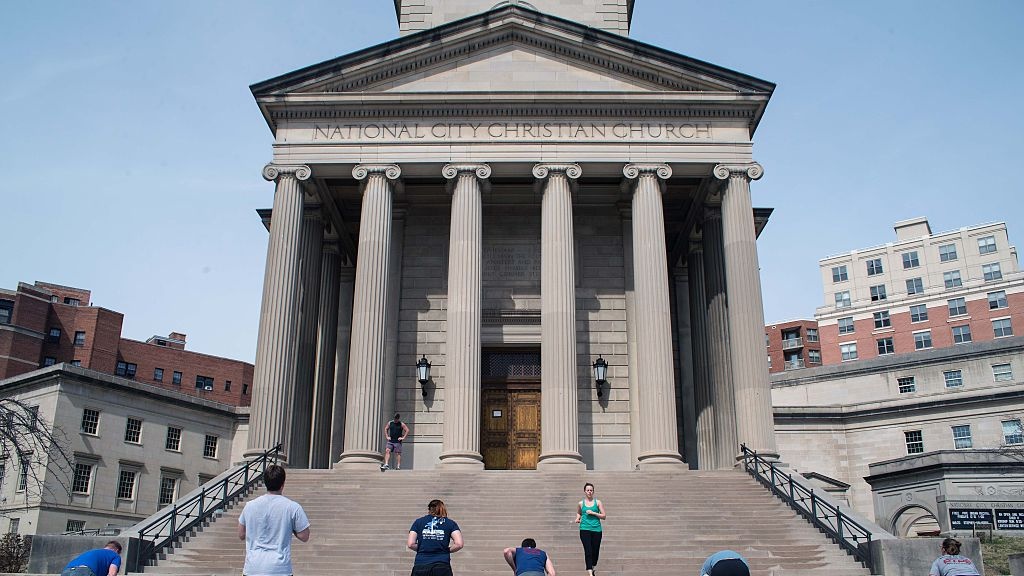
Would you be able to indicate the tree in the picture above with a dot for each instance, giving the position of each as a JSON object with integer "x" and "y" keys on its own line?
{"x": 36, "y": 450}
{"x": 14, "y": 552}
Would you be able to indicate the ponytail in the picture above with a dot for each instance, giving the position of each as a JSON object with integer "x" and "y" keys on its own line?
{"x": 951, "y": 546}
{"x": 437, "y": 508}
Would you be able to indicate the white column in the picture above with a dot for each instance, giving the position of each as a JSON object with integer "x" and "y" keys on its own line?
{"x": 654, "y": 322}
{"x": 703, "y": 407}
{"x": 275, "y": 349}
{"x": 364, "y": 420}
{"x": 559, "y": 409}
{"x": 754, "y": 419}
{"x": 719, "y": 355}
{"x": 346, "y": 290}
{"x": 686, "y": 366}
{"x": 326, "y": 352}
{"x": 461, "y": 443}
{"x": 305, "y": 355}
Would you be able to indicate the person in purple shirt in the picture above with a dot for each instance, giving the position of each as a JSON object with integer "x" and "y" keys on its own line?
{"x": 104, "y": 561}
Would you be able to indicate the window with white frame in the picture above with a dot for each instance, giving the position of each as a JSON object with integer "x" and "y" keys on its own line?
{"x": 961, "y": 334}
{"x": 907, "y": 384}
{"x": 173, "y": 441}
{"x": 14, "y": 526}
{"x": 848, "y": 351}
{"x": 133, "y": 431}
{"x": 947, "y": 252}
{"x": 923, "y": 340}
{"x": 1002, "y": 327}
{"x": 874, "y": 266}
{"x": 877, "y": 292}
{"x": 914, "y": 286}
{"x": 1002, "y": 372}
{"x": 987, "y": 245}
{"x": 158, "y": 374}
{"x": 843, "y": 299}
{"x": 953, "y": 378}
{"x": 126, "y": 484}
{"x": 3, "y": 472}
{"x": 23, "y": 469}
{"x": 952, "y": 279}
{"x": 210, "y": 446}
{"x": 812, "y": 334}
{"x": 910, "y": 260}
{"x": 845, "y": 325}
{"x": 168, "y": 491}
{"x": 814, "y": 356}
{"x": 919, "y": 313}
{"x": 997, "y": 300}
{"x": 839, "y": 274}
{"x": 957, "y": 307}
{"x": 82, "y": 478}
{"x": 962, "y": 437}
{"x": 885, "y": 346}
{"x": 915, "y": 441}
{"x": 992, "y": 272}
{"x": 1012, "y": 432}
{"x": 90, "y": 421}
{"x": 882, "y": 319}
{"x": 75, "y": 526}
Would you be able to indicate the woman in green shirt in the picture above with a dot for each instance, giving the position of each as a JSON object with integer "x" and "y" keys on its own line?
{"x": 589, "y": 513}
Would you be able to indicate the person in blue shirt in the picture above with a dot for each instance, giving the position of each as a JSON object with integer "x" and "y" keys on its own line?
{"x": 528, "y": 560}
{"x": 434, "y": 537}
{"x": 104, "y": 561}
{"x": 725, "y": 563}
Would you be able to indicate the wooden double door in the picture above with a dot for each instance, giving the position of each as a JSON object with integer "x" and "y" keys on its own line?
{"x": 510, "y": 425}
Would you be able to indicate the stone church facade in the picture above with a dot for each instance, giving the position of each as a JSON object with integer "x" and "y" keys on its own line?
{"x": 510, "y": 195}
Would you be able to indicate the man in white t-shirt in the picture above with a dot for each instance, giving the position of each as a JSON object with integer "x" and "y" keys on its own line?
{"x": 267, "y": 525}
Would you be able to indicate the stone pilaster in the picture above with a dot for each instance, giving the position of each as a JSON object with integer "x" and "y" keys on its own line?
{"x": 719, "y": 356}
{"x": 635, "y": 429}
{"x": 755, "y": 423}
{"x": 704, "y": 409}
{"x": 326, "y": 356}
{"x": 461, "y": 443}
{"x": 559, "y": 409}
{"x": 275, "y": 348}
{"x": 346, "y": 290}
{"x": 654, "y": 325}
{"x": 305, "y": 355}
{"x": 394, "y": 301}
{"x": 686, "y": 368}
{"x": 364, "y": 420}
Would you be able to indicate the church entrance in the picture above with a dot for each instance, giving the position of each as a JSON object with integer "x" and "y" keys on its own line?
{"x": 510, "y": 401}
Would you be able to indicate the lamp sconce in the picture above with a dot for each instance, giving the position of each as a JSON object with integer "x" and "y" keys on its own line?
{"x": 600, "y": 375}
{"x": 423, "y": 374}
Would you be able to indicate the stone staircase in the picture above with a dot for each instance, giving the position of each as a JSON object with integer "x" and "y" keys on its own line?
{"x": 659, "y": 524}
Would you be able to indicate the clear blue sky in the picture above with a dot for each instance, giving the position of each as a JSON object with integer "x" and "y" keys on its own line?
{"x": 131, "y": 147}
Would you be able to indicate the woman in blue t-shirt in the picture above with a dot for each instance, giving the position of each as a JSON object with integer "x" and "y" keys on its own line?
{"x": 434, "y": 537}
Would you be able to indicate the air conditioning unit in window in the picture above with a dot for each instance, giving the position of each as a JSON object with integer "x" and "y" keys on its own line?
{"x": 208, "y": 388}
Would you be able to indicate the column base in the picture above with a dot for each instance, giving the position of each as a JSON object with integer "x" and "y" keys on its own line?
{"x": 359, "y": 460}
{"x": 661, "y": 462}
{"x": 561, "y": 462}
{"x": 461, "y": 461}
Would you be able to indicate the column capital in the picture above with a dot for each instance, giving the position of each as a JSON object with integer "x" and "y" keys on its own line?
{"x": 272, "y": 172}
{"x": 571, "y": 171}
{"x": 363, "y": 171}
{"x": 451, "y": 171}
{"x": 636, "y": 170}
{"x": 751, "y": 171}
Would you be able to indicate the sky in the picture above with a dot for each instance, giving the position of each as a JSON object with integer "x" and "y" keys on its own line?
{"x": 131, "y": 146}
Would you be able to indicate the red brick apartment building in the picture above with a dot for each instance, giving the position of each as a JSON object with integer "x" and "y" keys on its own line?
{"x": 45, "y": 324}
{"x": 792, "y": 345}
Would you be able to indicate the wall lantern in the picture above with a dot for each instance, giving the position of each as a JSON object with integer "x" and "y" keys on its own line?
{"x": 600, "y": 375}
{"x": 423, "y": 374}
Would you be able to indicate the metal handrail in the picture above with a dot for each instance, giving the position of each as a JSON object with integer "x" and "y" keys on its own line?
{"x": 828, "y": 518}
{"x": 180, "y": 517}
{"x": 792, "y": 343}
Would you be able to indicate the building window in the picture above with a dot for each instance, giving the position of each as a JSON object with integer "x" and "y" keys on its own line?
{"x": 204, "y": 382}
{"x": 49, "y": 361}
{"x": 839, "y": 274}
{"x": 874, "y": 266}
{"x": 173, "y": 441}
{"x": 24, "y": 464}
{"x": 987, "y": 245}
{"x": 126, "y": 485}
{"x": 126, "y": 369}
{"x": 76, "y": 362}
{"x": 915, "y": 442}
{"x": 227, "y": 385}
{"x": 923, "y": 340}
{"x": 79, "y": 338}
{"x": 906, "y": 384}
{"x": 6, "y": 311}
{"x": 210, "y": 446}
{"x": 961, "y": 334}
{"x": 915, "y": 286}
{"x": 877, "y": 293}
{"x": 1002, "y": 327}
{"x": 1002, "y": 372}
{"x": 168, "y": 491}
{"x": 82, "y": 478}
{"x": 90, "y": 421}
{"x": 947, "y": 252}
{"x": 158, "y": 374}
{"x": 919, "y": 313}
{"x": 882, "y": 319}
{"x": 848, "y": 351}
{"x": 53, "y": 336}
{"x": 843, "y": 299}
{"x": 176, "y": 378}
{"x": 962, "y": 437}
{"x": 72, "y": 301}
{"x": 814, "y": 356}
{"x": 952, "y": 279}
{"x": 885, "y": 346}
{"x": 75, "y": 526}
{"x": 846, "y": 325}
{"x": 910, "y": 260}
{"x": 957, "y": 307}
{"x": 992, "y": 272}
{"x": 14, "y": 526}
{"x": 245, "y": 388}
{"x": 997, "y": 300}
{"x": 133, "y": 431}
{"x": 812, "y": 334}
{"x": 953, "y": 378}
{"x": 1012, "y": 433}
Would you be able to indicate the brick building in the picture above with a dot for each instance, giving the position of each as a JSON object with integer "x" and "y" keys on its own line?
{"x": 44, "y": 324}
{"x": 792, "y": 345}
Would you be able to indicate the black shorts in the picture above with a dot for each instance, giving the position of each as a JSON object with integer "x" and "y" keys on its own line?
{"x": 435, "y": 569}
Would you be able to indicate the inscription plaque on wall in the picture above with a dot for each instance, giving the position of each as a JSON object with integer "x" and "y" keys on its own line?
{"x": 1009, "y": 519}
{"x": 965, "y": 519}
{"x": 509, "y": 263}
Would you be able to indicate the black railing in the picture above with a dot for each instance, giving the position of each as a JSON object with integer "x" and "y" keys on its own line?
{"x": 180, "y": 517}
{"x": 825, "y": 516}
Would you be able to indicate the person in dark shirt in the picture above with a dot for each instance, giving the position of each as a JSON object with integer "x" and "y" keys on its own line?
{"x": 104, "y": 561}
{"x": 394, "y": 432}
{"x": 434, "y": 537}
{"x": 528, "y": 560}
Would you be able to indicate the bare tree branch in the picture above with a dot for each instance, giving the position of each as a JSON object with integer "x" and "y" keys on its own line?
{"x": 38, "y": 451}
